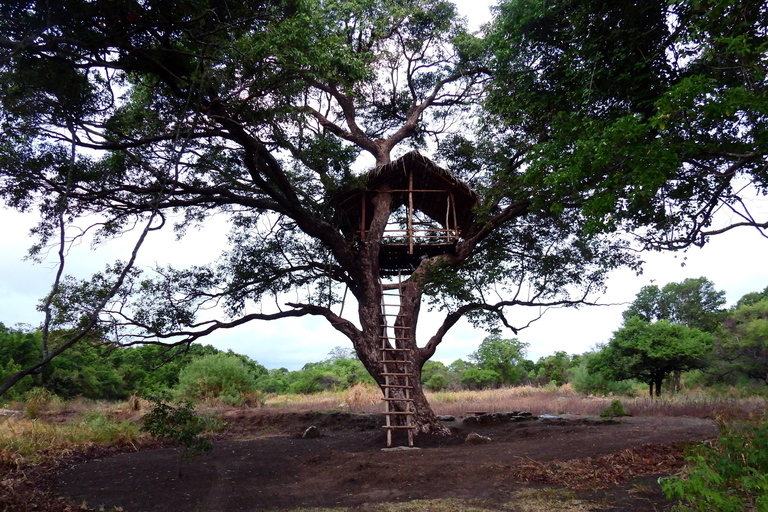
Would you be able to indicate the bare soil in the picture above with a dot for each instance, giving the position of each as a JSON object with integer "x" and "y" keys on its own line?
{"x": 263, "y": 463}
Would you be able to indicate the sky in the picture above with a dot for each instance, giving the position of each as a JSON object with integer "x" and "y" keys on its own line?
{"x": 734, "y": 262}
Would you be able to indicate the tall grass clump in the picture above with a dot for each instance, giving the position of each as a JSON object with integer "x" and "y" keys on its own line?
{"x": 35, "y": 439}
{"x": 363, "y": 398}
{"x": 39, "y": 400}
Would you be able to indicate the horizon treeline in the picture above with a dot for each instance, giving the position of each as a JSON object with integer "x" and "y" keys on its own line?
{"x": 680, "y": 331}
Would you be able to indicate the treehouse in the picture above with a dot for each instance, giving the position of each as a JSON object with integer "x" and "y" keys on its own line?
{"x": 431, "y": 208}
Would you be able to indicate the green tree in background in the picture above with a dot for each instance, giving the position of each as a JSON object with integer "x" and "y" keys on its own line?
{"x": 502, "y": 356}
{"x": 693, "y": 302}
{"x": 743, "y": 342}
{"x": 648, "y": 352}
{"x": 752, "y": 298}
{"x": 553, "y": 368}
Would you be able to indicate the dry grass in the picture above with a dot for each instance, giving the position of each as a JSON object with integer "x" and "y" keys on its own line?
{"x": 523, "y": 500}
{"x": 538, "y": 401}
{"x": 35, "y": 438}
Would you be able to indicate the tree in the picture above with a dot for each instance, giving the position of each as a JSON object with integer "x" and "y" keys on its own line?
{"x": 502, "y": 356}
{"x": 743, "y": 342}
{"x": 650, "y": 117}
{"x": 752, "y": 298}
{"x": 553, "y": 368}
{"x": 121, "y": 113}
{"x": 694, "y": 303}
{"x": 650, "y": 351}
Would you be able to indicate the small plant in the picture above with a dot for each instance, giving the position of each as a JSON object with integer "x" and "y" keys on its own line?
{"x": 181, "y": 425}
{"x": 730, "y": 475}
{"x": 615, "y": 410}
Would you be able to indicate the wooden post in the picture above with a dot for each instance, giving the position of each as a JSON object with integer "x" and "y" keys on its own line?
{"x": 410, "y": 212}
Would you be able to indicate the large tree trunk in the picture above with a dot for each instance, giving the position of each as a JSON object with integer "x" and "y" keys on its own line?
{"x": 369, "y": 350}
{"x": 400, "y": 330}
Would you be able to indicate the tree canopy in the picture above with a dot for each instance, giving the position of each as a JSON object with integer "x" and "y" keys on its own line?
{"x": 693, "y": 302}
{"x": 503, "y": 356}
{"x": 648, "y": 116}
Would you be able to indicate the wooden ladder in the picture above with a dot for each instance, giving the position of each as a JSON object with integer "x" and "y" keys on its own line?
{"x": 396, "y": 365}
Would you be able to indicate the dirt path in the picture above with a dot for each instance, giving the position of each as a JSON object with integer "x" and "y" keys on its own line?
{"x": 269, "y": 467}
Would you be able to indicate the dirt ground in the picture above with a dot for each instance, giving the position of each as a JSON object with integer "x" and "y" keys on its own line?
{"x": 263, "y": 463}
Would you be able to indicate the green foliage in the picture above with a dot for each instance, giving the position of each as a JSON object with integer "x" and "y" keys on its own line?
{"x": 93, "y": 369}
{"x": 615, "y": 410}
{"x": 179, "y": 424}
{"x": 104, "y": 429}
{"x": 729, "y": 475}
{"x": 478, "y": 378}
{"x": 752, "y": 298}
{"x": 648, "y": 352}
{"x": 38, "y": 400}
{"x": 552, "y": 369}
{"x": 504, "y": 357}
{"x": 434, "y": 375}
{"x": 742, "y": 344}
{"x": 629, "y": 107}
{"x": 437, "y": 382}
{"x": 596, "y": 383}
{"x": 694, "y": 303}
{"x": 219, "y": 376}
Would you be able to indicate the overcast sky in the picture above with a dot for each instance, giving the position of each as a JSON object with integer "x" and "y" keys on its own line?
{"x": 734, "y": 261}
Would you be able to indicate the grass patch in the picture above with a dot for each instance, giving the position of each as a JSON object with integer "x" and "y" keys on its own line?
{"x": 36, "y": 439}
{"x": 524, "y": 500}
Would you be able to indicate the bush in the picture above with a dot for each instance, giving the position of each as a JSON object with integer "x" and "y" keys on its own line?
{"x": 312, "y": 381}
{"x": 179, "y": 424}
{"x": 596, "y": 384}
{"x": 437, "y": 382}
{"x": 615, "y": 410}
{"x": 477, "y": 378}
{"x": 220, "y": 376}
{"x": 730, "y": 475}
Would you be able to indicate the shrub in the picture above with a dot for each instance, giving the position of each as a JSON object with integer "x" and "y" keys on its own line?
{"x": 307, "y": 382}
{"x": 596, "y": 384}
{"x": 179, "y": 424}
{"x": 436, "y": 382}
{"x": 477, "y": 378}
{"x": 615, "y": 410}
{"x": 360, "y": 396}
{"x": 219, "y": 376}
{"x": 730, "y": 475}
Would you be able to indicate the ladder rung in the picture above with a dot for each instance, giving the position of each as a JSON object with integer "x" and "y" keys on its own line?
{"x": 399, "y": 426}
{"x": 390, "y": 374}
{"x": 394, "y": 314}
{"x": 396, "y": 349}
{"x": 398, "y": 399}
{"x": 396, "y": 339}
{"x": 400, "y": 413}
{"x": 395, "y": 361}
{"x": 395, "y": 386}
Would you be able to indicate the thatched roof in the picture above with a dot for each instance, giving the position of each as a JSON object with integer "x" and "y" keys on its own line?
{"x": 431, "y": 185}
